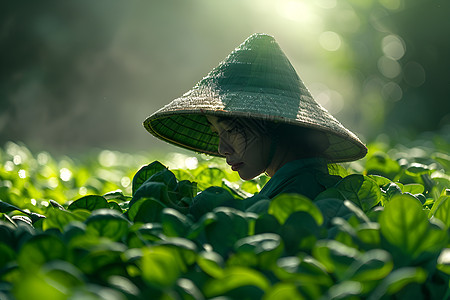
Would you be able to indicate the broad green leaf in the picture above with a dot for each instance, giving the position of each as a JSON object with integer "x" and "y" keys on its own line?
{"x": 267, "y": 248}
{"x": 227, "y": 227}
{"x": 166, "y": 177}
{"x": 299, "y": 232}
{"x": 211, "y": 198}
{"x": 186, "y": 188}
{"x": 372, "y": 265}
{"x": 90, "y": 202}
{"x": 211, "y": 263}
{"x": 210, "y": 177}
{"x": 7, "y": 254}
{"x": 145, "y": 173}
{"x": 405, "y": 225}
{"x": 283, "y": 290}
{"x": 6, "y": 207}
{"x": 335, "y": 256}
{"x": 174, "y": 223}
{"x": 267, "y": 223}
{"x": 413, "y": 188}
{"x": 161, "y": 266}
{"x": 63, "y": 273}
{"x": 398, "y": 279}
{"x": 150, "y": 189}
{"x": 187, "y": 289}
{"x": 103, "y": 260}
{"x": 345, "y": 290}
{"x": 361, "y": 190}
{"x": 417, "y": 169}
{"x": 284, "y": 205}
{"x": 35, "y": 284}
{"x": 443, "y": 210}
{"x": 369, "y": 233}
{"x": 146, "y": 210}
{"x": 233, "y": 278}
{"x": 381, "y": 164}
{"x": 306, "y": 270}
{"x": 331, "y": 208}
{"x": 40, "y": 249}
{"x": 58, "y": 219}
{"x": 187, "y": 249}
{"x": 107, "y": 223}
{"x": 114, "y": 205}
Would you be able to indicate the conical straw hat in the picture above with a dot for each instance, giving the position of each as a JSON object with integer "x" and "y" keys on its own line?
{"x": 255, "y": 81}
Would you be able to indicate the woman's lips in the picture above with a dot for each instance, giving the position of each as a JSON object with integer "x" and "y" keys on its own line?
{"x": 236, "y": 167}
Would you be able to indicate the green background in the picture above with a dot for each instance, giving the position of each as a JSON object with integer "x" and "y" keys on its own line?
{"x": 81, "y": 74}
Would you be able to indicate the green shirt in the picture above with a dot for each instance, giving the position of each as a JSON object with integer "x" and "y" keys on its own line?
{"x": 307, "y": 177}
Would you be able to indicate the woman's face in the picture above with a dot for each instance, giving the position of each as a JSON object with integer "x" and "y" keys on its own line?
{"x": 246, "y": 150}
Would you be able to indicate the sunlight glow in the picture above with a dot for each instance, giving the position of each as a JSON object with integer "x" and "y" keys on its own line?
{"x": 297, "y": 11}
{"x": 191, "y": 163}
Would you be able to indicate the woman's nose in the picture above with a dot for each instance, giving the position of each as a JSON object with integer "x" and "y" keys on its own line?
{"x": 224, "y": 147}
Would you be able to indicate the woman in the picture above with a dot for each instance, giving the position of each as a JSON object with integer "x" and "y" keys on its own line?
{"x": 255, "y": 111}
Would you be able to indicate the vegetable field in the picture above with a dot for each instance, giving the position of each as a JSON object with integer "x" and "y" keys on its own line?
{"x": 112, "y": 225}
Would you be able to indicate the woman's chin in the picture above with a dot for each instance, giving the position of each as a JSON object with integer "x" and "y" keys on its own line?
{"x": 246, "y": 177}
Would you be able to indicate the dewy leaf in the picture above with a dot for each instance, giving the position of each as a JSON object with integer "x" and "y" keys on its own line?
{"x": 284, "y": 205}
{"x": 90, "y": 202}
{"x": 144, "y": 173}
{"x": 405, "y": 225}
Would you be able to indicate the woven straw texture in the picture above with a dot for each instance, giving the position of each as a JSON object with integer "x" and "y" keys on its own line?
{"x": 257, "y": 81}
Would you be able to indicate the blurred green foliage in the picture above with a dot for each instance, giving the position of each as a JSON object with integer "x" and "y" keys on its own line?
{"x": 78, "y": 74}
{"x": 68, "y": 232}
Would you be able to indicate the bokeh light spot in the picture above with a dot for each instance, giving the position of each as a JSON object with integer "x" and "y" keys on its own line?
{"x": 125, "y": 181}
{"x": 330, "y": 40}
{"x": 17, "y": 160}
{"x": 22, "y": 173}
{"x": 82, "y": 191}
{"x": 392, "y": 91}
{"x": 65, "y": 174}
{"x": 393, "y": 47}
{"x": 107, "y": 158}
{"x": 414, "y": 74}
{"x": 388, "y": 67}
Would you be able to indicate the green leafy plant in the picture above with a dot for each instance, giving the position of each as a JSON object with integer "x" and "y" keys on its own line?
{"x": 379, "y": 233}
